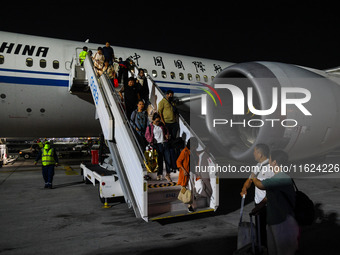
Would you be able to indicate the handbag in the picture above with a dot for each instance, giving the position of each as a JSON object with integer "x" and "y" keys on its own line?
{"x": 185, "y": 196}
{"x": 115, "y": 83}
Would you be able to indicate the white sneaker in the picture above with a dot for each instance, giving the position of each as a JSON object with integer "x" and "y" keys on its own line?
{"x": 159, "y": 177}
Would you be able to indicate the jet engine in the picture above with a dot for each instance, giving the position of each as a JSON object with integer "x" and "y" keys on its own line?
{"x": 275, "y": 110}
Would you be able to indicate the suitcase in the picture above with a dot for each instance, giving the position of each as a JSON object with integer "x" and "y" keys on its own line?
{"x": 244, "y": 230}
{"x": 246, "y": 238}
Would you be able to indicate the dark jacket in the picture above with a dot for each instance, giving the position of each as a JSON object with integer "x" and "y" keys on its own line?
{"x": 140, "y": 123}
{"x": 143, "y": 89}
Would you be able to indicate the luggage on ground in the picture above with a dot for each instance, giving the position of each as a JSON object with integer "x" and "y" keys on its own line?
{"x": 247, "y": 233}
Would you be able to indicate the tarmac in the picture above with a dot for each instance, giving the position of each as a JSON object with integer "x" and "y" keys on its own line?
{"x": 69, "y": 219}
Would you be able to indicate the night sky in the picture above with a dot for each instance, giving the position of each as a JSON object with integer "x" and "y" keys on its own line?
{"x": 232, "y": 30}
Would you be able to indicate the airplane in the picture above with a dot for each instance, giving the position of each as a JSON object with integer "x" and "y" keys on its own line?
{"x": 35, "y": 100}
{"x": 34, "y": 78}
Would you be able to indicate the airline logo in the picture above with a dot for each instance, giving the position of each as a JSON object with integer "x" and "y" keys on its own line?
{"x": 28, "y": 50}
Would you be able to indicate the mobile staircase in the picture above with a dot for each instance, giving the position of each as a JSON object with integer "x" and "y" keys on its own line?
{"x": 123, "y": 173}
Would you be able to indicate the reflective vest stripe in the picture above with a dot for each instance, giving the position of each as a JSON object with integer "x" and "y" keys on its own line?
{"x": 47, "y": 157}
{"x": 82, "y": 56}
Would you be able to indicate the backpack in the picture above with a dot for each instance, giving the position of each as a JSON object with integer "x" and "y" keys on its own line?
{"x": 304, "y": 208}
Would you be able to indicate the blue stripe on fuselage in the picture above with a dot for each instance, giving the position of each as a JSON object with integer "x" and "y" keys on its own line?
{"x": 34, "y": 81}
{"x": 65, "y": 83}
{"x": 34, "y": 72}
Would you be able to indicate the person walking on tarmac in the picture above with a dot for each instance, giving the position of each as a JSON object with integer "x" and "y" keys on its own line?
{"x": 49, "y": 159}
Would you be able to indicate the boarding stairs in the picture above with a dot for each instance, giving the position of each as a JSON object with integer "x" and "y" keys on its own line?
{"x": 150, "y": 199}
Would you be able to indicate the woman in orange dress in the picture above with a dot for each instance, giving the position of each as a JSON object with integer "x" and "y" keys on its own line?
{"x": 183, "y": 164}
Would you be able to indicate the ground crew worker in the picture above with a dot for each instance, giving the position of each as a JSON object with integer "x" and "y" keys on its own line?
{"x": 83, "y": 55}
{"x": 49, "y": 159}
{"x": 40, "y": 143}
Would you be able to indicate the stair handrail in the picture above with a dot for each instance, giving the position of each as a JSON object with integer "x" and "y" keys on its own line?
{"x": 128, "y": 194}
{"x": 125, "y": 118}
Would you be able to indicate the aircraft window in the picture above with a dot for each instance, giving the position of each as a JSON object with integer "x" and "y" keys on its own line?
{"x": 173, "y": 76}
{"x": 145, "y": 72}
{"x": 56, "y": 64}
{"x": 2, "y": 59}
{"x": 189, "y": 76}
{"x": 29, "y": 62}
{"x": 164, "y": 74}
{"x": 154, "y": 73}
{"x": 42, "y": 63}
{"x": 181, "y": 76}
{"x": 212, "y": 78}
{"x": 205, "y": 78}
{"x": 198, "y": 77}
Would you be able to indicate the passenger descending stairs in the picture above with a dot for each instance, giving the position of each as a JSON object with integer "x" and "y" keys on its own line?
{"x": 150, "y": 199}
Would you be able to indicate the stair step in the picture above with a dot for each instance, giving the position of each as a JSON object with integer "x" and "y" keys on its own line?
{"x": 162, "y": 195}
{"x": 156, "y": 185}
{"x": 155, "y": 209}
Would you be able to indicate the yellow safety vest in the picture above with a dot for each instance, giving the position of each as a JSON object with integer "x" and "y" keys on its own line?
{"x": 82, "y": 56}
{"x": 47, "y": 157}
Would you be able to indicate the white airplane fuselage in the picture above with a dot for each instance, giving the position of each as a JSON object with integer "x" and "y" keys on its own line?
{"x": 35, "y": 101}
{"x": 34, "y": 80}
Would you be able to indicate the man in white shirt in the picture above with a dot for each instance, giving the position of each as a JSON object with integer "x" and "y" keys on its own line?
{"x": 262, "y": 171}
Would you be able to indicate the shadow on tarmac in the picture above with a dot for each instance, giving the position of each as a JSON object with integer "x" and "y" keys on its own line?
{"x": 322, "y": 236}
{"x": 67, "y": 184}
{"x": 319, "y": 238}
{"x": 221, "y": 245}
